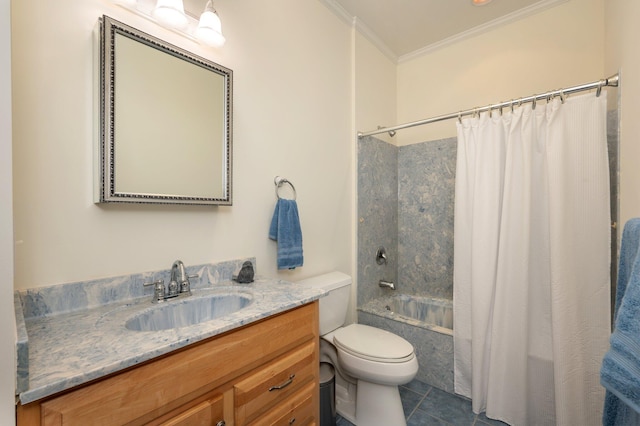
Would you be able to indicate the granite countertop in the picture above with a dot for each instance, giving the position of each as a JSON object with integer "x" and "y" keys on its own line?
{"x": 72, "y": 348}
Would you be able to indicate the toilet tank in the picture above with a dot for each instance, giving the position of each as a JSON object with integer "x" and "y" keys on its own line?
{"x": 334, "y": 306}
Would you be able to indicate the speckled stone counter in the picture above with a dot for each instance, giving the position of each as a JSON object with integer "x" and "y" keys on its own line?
{"x": 68, "y": 346}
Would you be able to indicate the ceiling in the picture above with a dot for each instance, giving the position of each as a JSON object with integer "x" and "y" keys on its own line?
{"x": 406, "y": 28}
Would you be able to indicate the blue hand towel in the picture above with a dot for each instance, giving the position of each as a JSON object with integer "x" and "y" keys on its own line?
{"x": 620, "y": 372}
{"x": 285, "y": 229}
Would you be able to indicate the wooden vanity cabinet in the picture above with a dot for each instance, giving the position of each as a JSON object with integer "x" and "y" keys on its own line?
{"x": 265, "y": 373}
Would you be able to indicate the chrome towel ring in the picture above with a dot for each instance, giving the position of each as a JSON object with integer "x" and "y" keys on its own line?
{"x": 279, "y": 181}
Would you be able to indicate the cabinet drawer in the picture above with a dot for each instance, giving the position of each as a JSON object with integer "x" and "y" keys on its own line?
{"x": 274, "y": 382}
{"x": 207, "y": 413}
{"x": 297, "y": 410}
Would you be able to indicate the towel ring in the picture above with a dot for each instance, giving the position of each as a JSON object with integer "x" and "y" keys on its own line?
{"x": 279, "y": 181}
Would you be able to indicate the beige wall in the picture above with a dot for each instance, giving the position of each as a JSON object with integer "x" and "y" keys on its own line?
{"x": 562, "y": 46}
{"x": 376, "y": 88}
{"x": 622, "y": 35}
{"x": 8, "y": 328}
{"x": 292, "y": 69}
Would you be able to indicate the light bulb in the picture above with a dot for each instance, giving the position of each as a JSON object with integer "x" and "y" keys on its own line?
{"x": 209, "y": 30}
{"x": 170, "y": 13}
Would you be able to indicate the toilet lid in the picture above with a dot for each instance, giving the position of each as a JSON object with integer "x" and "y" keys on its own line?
{"x": 373, "y": 343}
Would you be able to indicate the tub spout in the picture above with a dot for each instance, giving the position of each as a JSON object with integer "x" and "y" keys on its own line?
{"x": 387, "y": 284}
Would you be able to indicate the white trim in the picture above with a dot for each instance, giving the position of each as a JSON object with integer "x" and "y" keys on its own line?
{"x": 503, "y": 20}
{"x": 7, "y": 314}
{"x": 353, "y": 313}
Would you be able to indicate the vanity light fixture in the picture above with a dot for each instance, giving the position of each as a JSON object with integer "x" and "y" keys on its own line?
{"x": 209, "y": 29}
{"x": 480, "y": 2}
{"x": 171, "y": 14}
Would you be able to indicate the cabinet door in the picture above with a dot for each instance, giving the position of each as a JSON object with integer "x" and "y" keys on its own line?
{"x": 207, "y": 413}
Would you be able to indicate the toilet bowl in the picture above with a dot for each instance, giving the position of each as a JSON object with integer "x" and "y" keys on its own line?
{"x": 370, "y": 362}
{"x": 375, "y": 355}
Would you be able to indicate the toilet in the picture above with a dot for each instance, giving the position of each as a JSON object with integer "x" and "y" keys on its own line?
{"x": 370, "y": 363}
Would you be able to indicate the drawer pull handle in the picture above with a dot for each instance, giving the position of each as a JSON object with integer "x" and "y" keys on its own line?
{"x": 221, "y": 423}
{"x": 292, "y": 421}
{"x": 284, "y": 385}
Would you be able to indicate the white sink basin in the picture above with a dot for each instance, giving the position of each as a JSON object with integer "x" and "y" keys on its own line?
{"x": 188, "y": 311}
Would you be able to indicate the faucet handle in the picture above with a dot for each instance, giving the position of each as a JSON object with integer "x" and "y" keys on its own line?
{"x": 185, "y": 286}
{"x": 173, "y": 289}
{"x": 158, "y": 290}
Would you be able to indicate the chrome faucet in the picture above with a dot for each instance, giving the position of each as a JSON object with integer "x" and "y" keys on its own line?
{"x": 179, "y": 285}
{"x": 387, "y": 284}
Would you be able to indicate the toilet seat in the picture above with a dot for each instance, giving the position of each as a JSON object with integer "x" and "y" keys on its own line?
{"x": 373, "y": 344}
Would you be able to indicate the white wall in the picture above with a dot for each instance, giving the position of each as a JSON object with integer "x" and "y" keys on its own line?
{"x": 376, "y": 88}
{"x": 292, "y": 117}
{"x": 7, "y": 316}
{"x": 622, "y": 35}
{"x": 560, "y": 47}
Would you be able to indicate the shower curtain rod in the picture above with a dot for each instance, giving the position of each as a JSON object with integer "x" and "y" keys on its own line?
{"x": 612, "y": 81}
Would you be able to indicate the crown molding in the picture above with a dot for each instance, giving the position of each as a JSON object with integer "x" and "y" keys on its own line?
{"x": 504, "y": 20}
{"x": 361, "y": 27}
{"x": 370, "y": 35}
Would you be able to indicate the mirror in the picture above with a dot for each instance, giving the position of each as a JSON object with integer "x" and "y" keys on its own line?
{"x": 165, "y": 128}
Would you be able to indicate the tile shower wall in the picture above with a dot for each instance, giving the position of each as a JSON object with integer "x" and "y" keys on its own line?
{"x": 426, "y": 185}
{"x": 377, "y": 215}
{"x": 613, "y": 142}
{"x": 406, "y": 202}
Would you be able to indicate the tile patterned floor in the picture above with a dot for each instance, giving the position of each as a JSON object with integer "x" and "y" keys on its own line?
{"x": 425, "y": 405}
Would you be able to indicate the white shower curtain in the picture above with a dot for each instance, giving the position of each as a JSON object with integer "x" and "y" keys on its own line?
{"x": 531, "y": 262}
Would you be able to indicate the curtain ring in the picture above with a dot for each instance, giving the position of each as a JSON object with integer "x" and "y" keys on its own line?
{"x": 501, "y": 105}
{"x": 490, "y": 107}
{"x": 599, "y": 88}
{"x": 562, "y": 96}
{"x": 460, "y": 117}
{"x": 533, "y": 103}
{"x": 512, "y": 101}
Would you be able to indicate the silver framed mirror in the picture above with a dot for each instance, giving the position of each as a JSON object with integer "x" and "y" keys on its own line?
{"x": 165, "y": 122}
